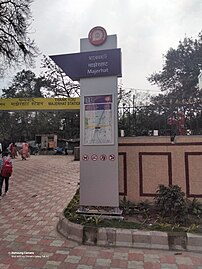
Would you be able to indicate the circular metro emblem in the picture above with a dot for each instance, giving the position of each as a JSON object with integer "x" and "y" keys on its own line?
{"x": 97, "y": 36}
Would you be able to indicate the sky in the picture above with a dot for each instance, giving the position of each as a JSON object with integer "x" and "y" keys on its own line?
{"x": 145, "y": 30}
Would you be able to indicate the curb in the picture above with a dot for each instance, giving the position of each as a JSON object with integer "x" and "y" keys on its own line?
{"x": 112, "y": 237}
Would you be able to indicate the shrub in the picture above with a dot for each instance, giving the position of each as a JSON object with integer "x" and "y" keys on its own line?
{"x": 171, "y": 204}
{"x": 126, "y": 206}
{"x": 169, "y": 212}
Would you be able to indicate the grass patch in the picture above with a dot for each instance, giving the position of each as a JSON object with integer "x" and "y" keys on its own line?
{"x": 142, "y": 215}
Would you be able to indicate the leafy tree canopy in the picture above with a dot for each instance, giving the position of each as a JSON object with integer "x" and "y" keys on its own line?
{"x": 26, "y": 84}
{"x": 26, "y": 124}
{"x": 178, "y": 78}
{"x": 15, "y": 45}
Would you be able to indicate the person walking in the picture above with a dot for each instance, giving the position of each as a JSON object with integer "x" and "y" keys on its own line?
{"x": 25, "y": 150}
{"x": 6, "y": 167}
{"x": 12, "y": 148}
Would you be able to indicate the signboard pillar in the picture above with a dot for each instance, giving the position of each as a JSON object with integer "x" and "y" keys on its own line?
{"x": 99, "y": 131}
{"x": 97, "y": 66}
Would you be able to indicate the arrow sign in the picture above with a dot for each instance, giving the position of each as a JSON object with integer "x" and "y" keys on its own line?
{"x": 90, "y": 64}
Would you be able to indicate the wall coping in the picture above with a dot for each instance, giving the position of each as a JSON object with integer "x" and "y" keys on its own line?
{"x": 161, "y": 140}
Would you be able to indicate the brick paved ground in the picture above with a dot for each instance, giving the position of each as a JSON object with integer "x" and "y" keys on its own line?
{"x": 29, "y": 213}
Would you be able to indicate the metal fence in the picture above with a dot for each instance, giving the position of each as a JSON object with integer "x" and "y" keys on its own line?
{"x": 181, "y": 119}
{"x": 166, "y": 120}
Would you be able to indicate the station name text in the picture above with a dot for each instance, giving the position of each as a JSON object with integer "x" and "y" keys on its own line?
{"x": 98, "y": 64}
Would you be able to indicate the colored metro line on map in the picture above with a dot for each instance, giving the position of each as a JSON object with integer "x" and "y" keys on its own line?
{"x": 98, "y": 120}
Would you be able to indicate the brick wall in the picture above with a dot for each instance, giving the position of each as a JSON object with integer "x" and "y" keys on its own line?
{"x": 146, "y": 162}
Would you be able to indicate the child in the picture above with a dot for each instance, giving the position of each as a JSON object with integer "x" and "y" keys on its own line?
{"x": 6, "y": 170}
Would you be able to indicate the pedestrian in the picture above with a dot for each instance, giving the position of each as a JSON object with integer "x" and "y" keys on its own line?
{"x": 6, "y": 166}
{"x": 25, "y": 150}
{"x": 12, "y": 148}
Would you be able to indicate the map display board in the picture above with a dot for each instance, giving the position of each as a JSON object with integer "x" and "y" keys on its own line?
{"x": 98, "y": 122}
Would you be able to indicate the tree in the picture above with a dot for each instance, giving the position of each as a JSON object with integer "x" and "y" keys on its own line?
{"x": 15, "y": 45}
{"x": 61, "y": 85}
{"x": 178, "y": 82}
{"x": 124, "y": 96}
{"x": 26, "y": 84}
{"x": 16, "y": 125}
{"x": 21, "y": 124}
{"x": 132, "y": 97}
{"x": 179, "y": 76}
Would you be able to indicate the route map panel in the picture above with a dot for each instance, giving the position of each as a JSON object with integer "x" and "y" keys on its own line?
{"x": 98, "y": 125}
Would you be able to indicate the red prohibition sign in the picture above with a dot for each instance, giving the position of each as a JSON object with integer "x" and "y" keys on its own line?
{"x": 85, "y": 157}
{"x": 103, "y": 157}
{"x": 94, "y": 157}
{"x": 112, "y": 157}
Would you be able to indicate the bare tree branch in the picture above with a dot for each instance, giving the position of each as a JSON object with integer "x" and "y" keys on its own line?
{"x": 15, "y": 45}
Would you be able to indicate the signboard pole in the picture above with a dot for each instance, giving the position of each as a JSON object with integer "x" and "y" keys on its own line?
{"x": 99, "y": 136}
{"x": 97, "y": 66}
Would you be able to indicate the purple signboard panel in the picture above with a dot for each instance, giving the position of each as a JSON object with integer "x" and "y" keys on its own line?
{"x": 98, "y": 107}
{"x": 90, "y": 64}
{"x": 98, "y": 99}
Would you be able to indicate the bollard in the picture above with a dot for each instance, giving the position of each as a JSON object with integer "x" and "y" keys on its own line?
{"x": 76, "y": 153}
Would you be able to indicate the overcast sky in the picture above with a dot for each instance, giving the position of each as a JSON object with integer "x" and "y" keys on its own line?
{"x": 145, "y": 30}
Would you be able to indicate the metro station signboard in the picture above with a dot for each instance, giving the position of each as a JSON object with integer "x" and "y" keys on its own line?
{"x": 90, "y": 64}
{"x": 97, "y": 67}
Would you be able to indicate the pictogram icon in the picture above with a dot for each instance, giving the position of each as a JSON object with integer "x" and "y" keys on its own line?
{"x": 103, "y": 157}
{"x": 85, "y": 157}
{"x": 112, "y": 157}
{"x": 94, "y": 157}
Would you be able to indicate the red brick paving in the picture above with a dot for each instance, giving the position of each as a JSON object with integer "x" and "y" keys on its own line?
{"x": 40, "y": 188}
